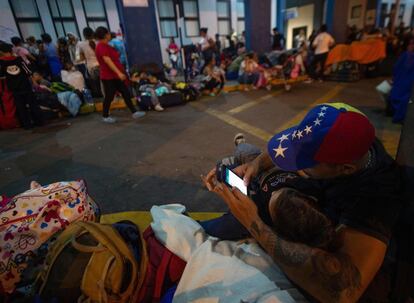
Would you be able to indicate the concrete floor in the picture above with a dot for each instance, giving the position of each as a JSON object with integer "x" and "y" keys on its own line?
{"x": 159, "y": 159}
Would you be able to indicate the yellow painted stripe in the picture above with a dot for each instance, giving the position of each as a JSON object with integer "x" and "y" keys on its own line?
{"x": 143, "y": 218}
{"x": 298, "y": 117}
{"x": 255, "y": 131}
{"x": 250, "y": 104}
{"x": 390, "y": 137}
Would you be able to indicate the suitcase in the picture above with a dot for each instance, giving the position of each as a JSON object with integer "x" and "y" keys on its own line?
{"x": 145, "y": 103}
{"x": 172, "y": 99}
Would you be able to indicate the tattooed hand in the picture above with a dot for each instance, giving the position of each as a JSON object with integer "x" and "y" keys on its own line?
{"x": 240, "y": 205}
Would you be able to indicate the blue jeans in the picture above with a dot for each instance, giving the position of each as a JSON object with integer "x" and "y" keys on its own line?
{"x": 227, "y": 227}
{"x": 249, "y": 78}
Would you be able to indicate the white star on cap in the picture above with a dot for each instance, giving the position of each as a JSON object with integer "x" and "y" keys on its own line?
{"x": 283, "y": 138}
{"x": 299, "y": 134}
{"x": 308, "y": 129}
{"x": 323, "y": 108}
{"x": 321, "y": 114}
{"x": 280, "y": 151}
{"x": 294, "y": 134}
{"x": 317, "y": 121}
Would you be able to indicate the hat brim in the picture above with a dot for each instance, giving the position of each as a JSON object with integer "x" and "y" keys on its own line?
{"x": 284, "y": 153}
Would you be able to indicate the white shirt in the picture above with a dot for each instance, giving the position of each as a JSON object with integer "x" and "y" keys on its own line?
{"x": 89, "y": 54}
{"x": 322, "y": 43}
{"x": 204, "y": 42}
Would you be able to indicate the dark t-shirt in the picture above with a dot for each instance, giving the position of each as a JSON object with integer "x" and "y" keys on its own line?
{"x": 368, "y": 201}
{"x": 17, "y": 74}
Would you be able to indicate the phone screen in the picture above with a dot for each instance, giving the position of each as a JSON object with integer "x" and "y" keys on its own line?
{"x": 234, "y": 180}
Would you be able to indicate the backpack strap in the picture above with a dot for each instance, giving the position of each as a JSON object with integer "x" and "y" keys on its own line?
{"x": 108, "y": 237}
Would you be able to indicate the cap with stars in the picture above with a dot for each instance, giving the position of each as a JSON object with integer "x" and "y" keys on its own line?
{"x": 334, "y": 133}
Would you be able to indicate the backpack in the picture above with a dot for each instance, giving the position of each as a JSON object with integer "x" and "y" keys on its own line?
{"x": 29, "y": 222}
{"x": 60, "y": 87}
{"x": 49, "y": 104}
{"x": 164, "y": 269}
{"x": 7, "y": 107}
{"x": 92, "y": 262}
{"x": 190, "y": 92}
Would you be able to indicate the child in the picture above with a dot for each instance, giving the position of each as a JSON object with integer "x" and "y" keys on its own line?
{"x": 18, "y": 81}
{"x": 172, "y": 50}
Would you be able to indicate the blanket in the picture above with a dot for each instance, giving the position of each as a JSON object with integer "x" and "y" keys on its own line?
{"x": 219, "y": 271}
{"x": 362, "y": 52}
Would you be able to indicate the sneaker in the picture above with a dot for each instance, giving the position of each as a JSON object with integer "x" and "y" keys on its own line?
{"x": 109, "y": 120}
{"x": 308, "y": 81}
{"x": 269, "y": 87}
{"x": 239, "y": 138}
{"x": 288, "y": 87}
{"x": 158, "y": 108}
{"x": 138, "y": 115}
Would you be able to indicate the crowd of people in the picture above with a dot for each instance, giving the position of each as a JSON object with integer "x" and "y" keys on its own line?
{"x": 97, "y": 65}
{"x": 88, "y": 69}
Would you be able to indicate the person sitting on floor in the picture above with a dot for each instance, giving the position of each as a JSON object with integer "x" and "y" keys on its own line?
{"x": 214, "y": 78}
{"x": 73, "y": 77}
{"x": 248, "y": 73}
{"x": 17, "y": 75}
{"x": 335, "y": 149}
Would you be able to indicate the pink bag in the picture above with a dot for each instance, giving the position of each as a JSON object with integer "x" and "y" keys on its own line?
{"x": 29, "y": 220}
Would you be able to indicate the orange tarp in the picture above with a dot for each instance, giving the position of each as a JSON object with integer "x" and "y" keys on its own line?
{"x": 363, "y": 52}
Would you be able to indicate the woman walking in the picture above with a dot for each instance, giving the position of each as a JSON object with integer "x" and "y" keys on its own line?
{"x": 112, "y": 75}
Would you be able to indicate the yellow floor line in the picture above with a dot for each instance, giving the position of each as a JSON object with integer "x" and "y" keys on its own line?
{"x": 250, "y": 104}
{"x": 255, "y": 131}
{"x": 298, "y": 117}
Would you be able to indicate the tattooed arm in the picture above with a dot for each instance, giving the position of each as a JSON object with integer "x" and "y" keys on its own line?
{"x": 329, "y": 277}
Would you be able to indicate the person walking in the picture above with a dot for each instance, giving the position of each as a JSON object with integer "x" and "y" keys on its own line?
{"x": 322, "y": 44}
{"x": 113, "y": 75}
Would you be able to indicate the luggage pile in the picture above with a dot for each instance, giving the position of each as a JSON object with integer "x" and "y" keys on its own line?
{"x": 346, "y": 71}
{"x": 53, "y": 249}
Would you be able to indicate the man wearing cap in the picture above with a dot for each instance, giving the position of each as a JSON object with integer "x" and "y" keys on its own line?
{"x": 335, "y": 149}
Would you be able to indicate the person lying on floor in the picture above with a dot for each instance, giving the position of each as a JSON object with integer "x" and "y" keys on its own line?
{"x": 148, "y": 85}
{"x": 70, "y": 99}
{"x": 336, "y": 150}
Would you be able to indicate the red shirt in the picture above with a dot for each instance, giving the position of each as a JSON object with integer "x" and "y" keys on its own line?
{"x": 105, "y": 50}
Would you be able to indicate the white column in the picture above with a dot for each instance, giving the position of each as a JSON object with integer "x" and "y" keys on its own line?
{"x": 47, "y": 19}
{"x": 273, "y": 15}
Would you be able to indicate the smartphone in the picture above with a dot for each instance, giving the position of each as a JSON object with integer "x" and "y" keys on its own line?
{"x": 233, "y": 180}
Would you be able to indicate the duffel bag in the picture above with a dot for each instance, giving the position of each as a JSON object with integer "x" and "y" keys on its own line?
{"x": 145, "y": 102}
{"x": 92, "y": 262}
{"x": 164, "y": 269}
{"x": 28, "y": 223}
{"x": 172, "y": 99}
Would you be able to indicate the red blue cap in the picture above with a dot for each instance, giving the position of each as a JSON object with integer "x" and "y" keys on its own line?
{"x": 334, "y": 133}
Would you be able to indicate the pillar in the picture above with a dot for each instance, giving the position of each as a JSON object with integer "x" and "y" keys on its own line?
{"x": 139, "y": 25}
{"x": 258, "y": 25}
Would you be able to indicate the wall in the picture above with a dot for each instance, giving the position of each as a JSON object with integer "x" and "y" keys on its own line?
{"x": 8, "y": 28}
{"x": 340, "y": 20}
{"x": 358, "y": 22}
{"x": 305, "y": 18}
{"x": 208, "y": 18}
{"x": 408, "y": 10}
{"x": 141, "y": 34}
